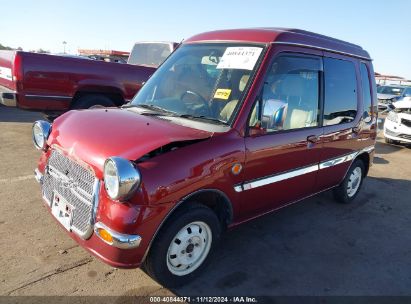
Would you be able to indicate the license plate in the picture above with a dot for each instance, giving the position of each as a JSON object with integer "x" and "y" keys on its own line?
{"x": 62, "y": 210}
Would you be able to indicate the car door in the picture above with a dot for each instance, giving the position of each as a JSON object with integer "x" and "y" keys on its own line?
{"x": 283, "y": 141}
{"x": 341, "y": 119}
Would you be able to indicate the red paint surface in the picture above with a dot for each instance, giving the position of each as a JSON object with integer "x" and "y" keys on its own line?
{"x": 92, "y": 136}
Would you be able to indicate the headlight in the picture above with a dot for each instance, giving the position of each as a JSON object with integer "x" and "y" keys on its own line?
{"x": 41, "y": 131}
{"x": 392, "y": 116}
{"x": 121, "y": 178}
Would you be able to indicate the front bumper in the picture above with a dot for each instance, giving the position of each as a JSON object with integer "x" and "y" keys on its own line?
{"x": 397, "y": 131}
{"x": 8, "y": 97}
{"x": 122, "y": 252}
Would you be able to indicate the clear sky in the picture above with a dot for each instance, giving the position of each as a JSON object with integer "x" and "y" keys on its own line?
{"x": 382, "y": 27}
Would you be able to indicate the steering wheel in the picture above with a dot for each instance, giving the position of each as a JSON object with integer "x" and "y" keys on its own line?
{"x": 199, "y": 97}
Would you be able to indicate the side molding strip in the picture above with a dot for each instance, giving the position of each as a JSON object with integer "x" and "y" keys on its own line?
{"x": 300, "y": 171}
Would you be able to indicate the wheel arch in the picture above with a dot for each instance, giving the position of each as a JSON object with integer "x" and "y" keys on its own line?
{"x": 113, "y": 93}
{"x": 365, "y": 158}
{"x": 220, "y": 204}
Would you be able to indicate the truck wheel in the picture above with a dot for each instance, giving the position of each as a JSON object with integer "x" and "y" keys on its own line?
{"x": 346, "y": 192}
{"x": 183, "y": 245}
{"x": 92, "y": 100}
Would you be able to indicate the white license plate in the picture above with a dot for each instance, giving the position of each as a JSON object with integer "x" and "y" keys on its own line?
{"x": 62, "y": 210}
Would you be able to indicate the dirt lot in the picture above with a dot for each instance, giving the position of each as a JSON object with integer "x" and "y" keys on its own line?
{"x": 316, "y": 247}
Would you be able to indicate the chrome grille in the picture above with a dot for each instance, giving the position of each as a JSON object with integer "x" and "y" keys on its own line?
{"x": 76, "y": 185}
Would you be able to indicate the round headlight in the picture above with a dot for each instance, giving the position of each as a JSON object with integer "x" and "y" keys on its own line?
{"x": 121, "y": 178}
{"x": 41, "y": 131}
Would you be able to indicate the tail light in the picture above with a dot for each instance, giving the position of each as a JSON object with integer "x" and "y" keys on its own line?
{"x": 18, "y": 70}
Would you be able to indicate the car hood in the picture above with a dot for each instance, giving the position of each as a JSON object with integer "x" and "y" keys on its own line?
{"x": 91, "y": 136}
{"x": 404, "y": 103}
{"x": 386, "y": 96}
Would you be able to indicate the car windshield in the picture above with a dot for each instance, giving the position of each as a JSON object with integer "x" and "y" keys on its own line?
{"x": 201, "y": 82}
{"x": 149, "y": 53}
{"x": 390, "y": 90}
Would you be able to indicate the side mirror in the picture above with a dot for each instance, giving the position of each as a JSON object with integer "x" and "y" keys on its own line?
{"x": 274, "y": 112}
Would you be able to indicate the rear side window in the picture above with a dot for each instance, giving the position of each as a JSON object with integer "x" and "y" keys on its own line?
{"x": 366, "y": 90}
{"x": 340, "y": 104}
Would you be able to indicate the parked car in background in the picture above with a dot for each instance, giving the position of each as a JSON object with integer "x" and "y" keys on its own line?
{"x": 53, "y": 84}
{"x": 397, "y": 126}
{"x": 233, "y": 125}
{"x": 387, "y": 94}
{"x": 151, "y": 53}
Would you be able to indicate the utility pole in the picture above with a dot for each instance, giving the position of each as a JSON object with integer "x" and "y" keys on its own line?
{"x": 64, "y": 47}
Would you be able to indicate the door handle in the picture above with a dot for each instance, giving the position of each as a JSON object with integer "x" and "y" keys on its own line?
{"x": 356, "y": 130}
{"x": 313, "y": 139}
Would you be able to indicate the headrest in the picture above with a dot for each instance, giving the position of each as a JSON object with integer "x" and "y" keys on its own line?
{"x": 243, "y": 82}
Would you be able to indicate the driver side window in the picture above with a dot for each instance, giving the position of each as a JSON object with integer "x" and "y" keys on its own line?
{"x": 290, "y": 97}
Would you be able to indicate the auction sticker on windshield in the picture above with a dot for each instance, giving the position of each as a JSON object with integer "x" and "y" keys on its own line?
{"x": 243, "y": 58}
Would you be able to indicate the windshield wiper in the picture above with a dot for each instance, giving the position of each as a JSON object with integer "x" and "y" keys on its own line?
{"x": 202, "y": 117}
{"x": 156, "y": 109}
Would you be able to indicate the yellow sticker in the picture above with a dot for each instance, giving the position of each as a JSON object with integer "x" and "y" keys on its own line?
{"x": 222, "y": 93}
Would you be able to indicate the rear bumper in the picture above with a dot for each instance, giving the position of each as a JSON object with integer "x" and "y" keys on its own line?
{"x": 8, "y": 97}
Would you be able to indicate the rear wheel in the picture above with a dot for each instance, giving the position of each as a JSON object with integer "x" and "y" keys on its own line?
{"x": 346, "y": 192}
{"x": 181, "y": 250}
{"x": 92, "y": 101}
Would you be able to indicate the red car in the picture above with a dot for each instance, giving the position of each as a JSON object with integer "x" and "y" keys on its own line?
{"x": 234, "y": 124}
{"x": 56, "y": 83}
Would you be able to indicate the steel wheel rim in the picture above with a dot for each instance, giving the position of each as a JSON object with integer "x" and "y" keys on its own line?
{"x": 189, "y": 248}
{"x": 354, "y": 182}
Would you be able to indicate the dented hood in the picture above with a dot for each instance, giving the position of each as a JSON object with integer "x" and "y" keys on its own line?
{"x": 92, "y": 136}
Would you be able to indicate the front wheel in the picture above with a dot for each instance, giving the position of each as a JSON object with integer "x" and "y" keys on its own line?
{"x": 391, "y": 141}
{"x": 346, "y": 192}
{"x": 183, "y": 246}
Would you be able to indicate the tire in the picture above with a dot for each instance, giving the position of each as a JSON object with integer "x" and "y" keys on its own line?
{"x": 346, "y": 192}
{"x": 183, "y": 246}
{"x": 91, "y": 101}
{"x": 388, "y": 140}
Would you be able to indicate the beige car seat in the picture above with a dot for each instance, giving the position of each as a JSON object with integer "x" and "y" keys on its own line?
{"x": 228, "y": 109}
{"x": 293, "y": 90}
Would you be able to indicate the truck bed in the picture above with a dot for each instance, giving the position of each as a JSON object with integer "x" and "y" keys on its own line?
{"x": 54, "y": 83}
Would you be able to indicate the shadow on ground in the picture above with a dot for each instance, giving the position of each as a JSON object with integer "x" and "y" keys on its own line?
{"x": 318, "y": 247}
{"x": 9, "y": 114}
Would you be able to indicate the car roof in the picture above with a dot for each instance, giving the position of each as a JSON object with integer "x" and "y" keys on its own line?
{"x": 281, "y": 36}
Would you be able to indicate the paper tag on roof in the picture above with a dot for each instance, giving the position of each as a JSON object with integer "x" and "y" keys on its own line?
{"x": 243, "y": 58}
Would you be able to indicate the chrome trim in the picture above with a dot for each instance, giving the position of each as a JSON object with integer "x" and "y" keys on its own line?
{"x": 45, "y": 127}
{"x": 8, "y": 99}
{"x": 301, "y": 171}
{"x": 122, "y": 241}
{"x": 38, "y": 176}
{"x": 129, "y": 177}
{"x": 47, "y": 97}
{"x": 322, "y": 49}
{"x": 337, "y": 161}
{"x": 275, "y": 178}
{"x": 96, "y": 198}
